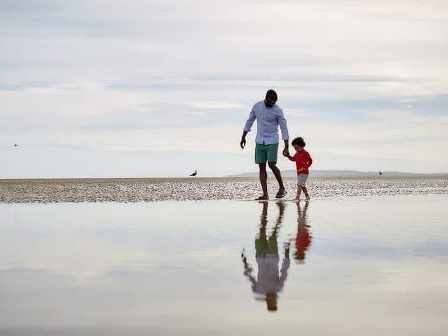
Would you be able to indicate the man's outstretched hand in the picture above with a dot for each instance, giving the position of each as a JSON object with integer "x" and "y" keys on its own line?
{"x": 243, "y": 142}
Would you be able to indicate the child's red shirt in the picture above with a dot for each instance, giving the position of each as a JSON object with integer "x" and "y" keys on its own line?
{"x": 303, "y": 239}
{"x": 303, "y": 161}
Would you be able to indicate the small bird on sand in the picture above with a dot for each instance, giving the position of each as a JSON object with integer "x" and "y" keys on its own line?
{"x": 16, "y": 145}
{"x": 194, "y": 173}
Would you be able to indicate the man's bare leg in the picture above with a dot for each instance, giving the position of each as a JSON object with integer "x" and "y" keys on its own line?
{"x": 278, "y": 177}
{"x": 263, "y": 181}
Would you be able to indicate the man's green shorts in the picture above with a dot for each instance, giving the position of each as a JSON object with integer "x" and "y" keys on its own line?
{"x": 265, "y": 153}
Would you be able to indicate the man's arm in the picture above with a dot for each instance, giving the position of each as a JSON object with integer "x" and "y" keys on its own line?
{"x": 243, "y": 140}
{"x": 247, "y": 127}
{"x": 286, "y": 150}
{"x": 284, "y": 129}
{"x": 248, "y": 270}
{"x": 284, "y": 269}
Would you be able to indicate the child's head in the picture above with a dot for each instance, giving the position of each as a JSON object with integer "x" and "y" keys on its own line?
{"x": 299, "y": 256}
{"x": 298, "y": 143}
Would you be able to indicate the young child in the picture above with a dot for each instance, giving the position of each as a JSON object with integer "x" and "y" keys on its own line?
{"x": 303, "y": 161}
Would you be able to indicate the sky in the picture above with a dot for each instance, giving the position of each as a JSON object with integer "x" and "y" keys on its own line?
{"x": 94, "y": 88}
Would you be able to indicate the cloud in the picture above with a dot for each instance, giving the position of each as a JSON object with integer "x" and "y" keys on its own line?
{"x": 180, "y": 69}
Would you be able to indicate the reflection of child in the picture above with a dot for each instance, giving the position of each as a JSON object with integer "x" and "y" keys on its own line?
{"x": 303, "y": 241}
{"x": 303, "y": 237}
{"x": 303, "y": 161}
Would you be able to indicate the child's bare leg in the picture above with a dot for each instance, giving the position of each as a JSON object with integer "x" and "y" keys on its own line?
{"x": 305, "y": 191}
{"x": 299, "y": 190}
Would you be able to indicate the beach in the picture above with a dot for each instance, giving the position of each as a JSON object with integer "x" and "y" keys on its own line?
{"x": 356, "y": 265}
{"x": 237, "y": 168}
{"x": 203, "y": 188}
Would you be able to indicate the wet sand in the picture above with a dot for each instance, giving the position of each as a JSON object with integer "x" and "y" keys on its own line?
{"x": 181, "y": 189}
{"x": 350, "y": 266}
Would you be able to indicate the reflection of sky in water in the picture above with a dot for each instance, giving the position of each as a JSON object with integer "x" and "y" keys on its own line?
{"x": 173, "y": 268}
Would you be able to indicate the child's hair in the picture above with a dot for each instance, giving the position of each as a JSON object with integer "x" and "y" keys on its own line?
{"x": 298, "y": 142}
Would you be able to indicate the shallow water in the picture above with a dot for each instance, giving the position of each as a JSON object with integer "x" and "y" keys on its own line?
{"x": 355, "y": 266}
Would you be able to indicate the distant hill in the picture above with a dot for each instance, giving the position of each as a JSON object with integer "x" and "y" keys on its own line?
{"x": 343, "y": 173}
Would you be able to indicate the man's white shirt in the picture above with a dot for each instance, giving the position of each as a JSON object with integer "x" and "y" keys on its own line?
{"x": 269, "y": 119}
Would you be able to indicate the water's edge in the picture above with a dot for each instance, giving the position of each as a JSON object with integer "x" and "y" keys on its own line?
{"x": 148, "y": 190}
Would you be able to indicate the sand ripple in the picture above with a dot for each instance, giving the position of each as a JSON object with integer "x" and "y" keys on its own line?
{"x": 147, "y": 190}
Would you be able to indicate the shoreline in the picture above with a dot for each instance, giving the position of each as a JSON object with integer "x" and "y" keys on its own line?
{"x": 205, "y": 179}
{"x": 183, "y": 189}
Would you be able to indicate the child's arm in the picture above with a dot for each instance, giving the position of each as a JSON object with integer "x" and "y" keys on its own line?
{"x": 310, "y": 160}
{"x": 291, "y": 158}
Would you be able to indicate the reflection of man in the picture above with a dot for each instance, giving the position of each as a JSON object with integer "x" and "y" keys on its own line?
{"x": 303, "y": 236}
{"x": 269, "y": 281}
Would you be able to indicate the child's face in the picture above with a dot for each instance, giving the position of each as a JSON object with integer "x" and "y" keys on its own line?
{"x": 298, "y": 148}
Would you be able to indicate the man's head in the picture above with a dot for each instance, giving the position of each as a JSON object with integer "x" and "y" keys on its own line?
{"x": 298, "y": 143}
{"x": 271, "y": 301}
{"x": 271, "y": 98}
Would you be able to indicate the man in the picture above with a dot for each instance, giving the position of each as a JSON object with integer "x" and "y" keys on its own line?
{"x": 269, "y": 117}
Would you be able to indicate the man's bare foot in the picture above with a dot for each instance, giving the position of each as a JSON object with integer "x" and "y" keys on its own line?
{"x": 262, "y": 198}
{"x": 281, "y": 193}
